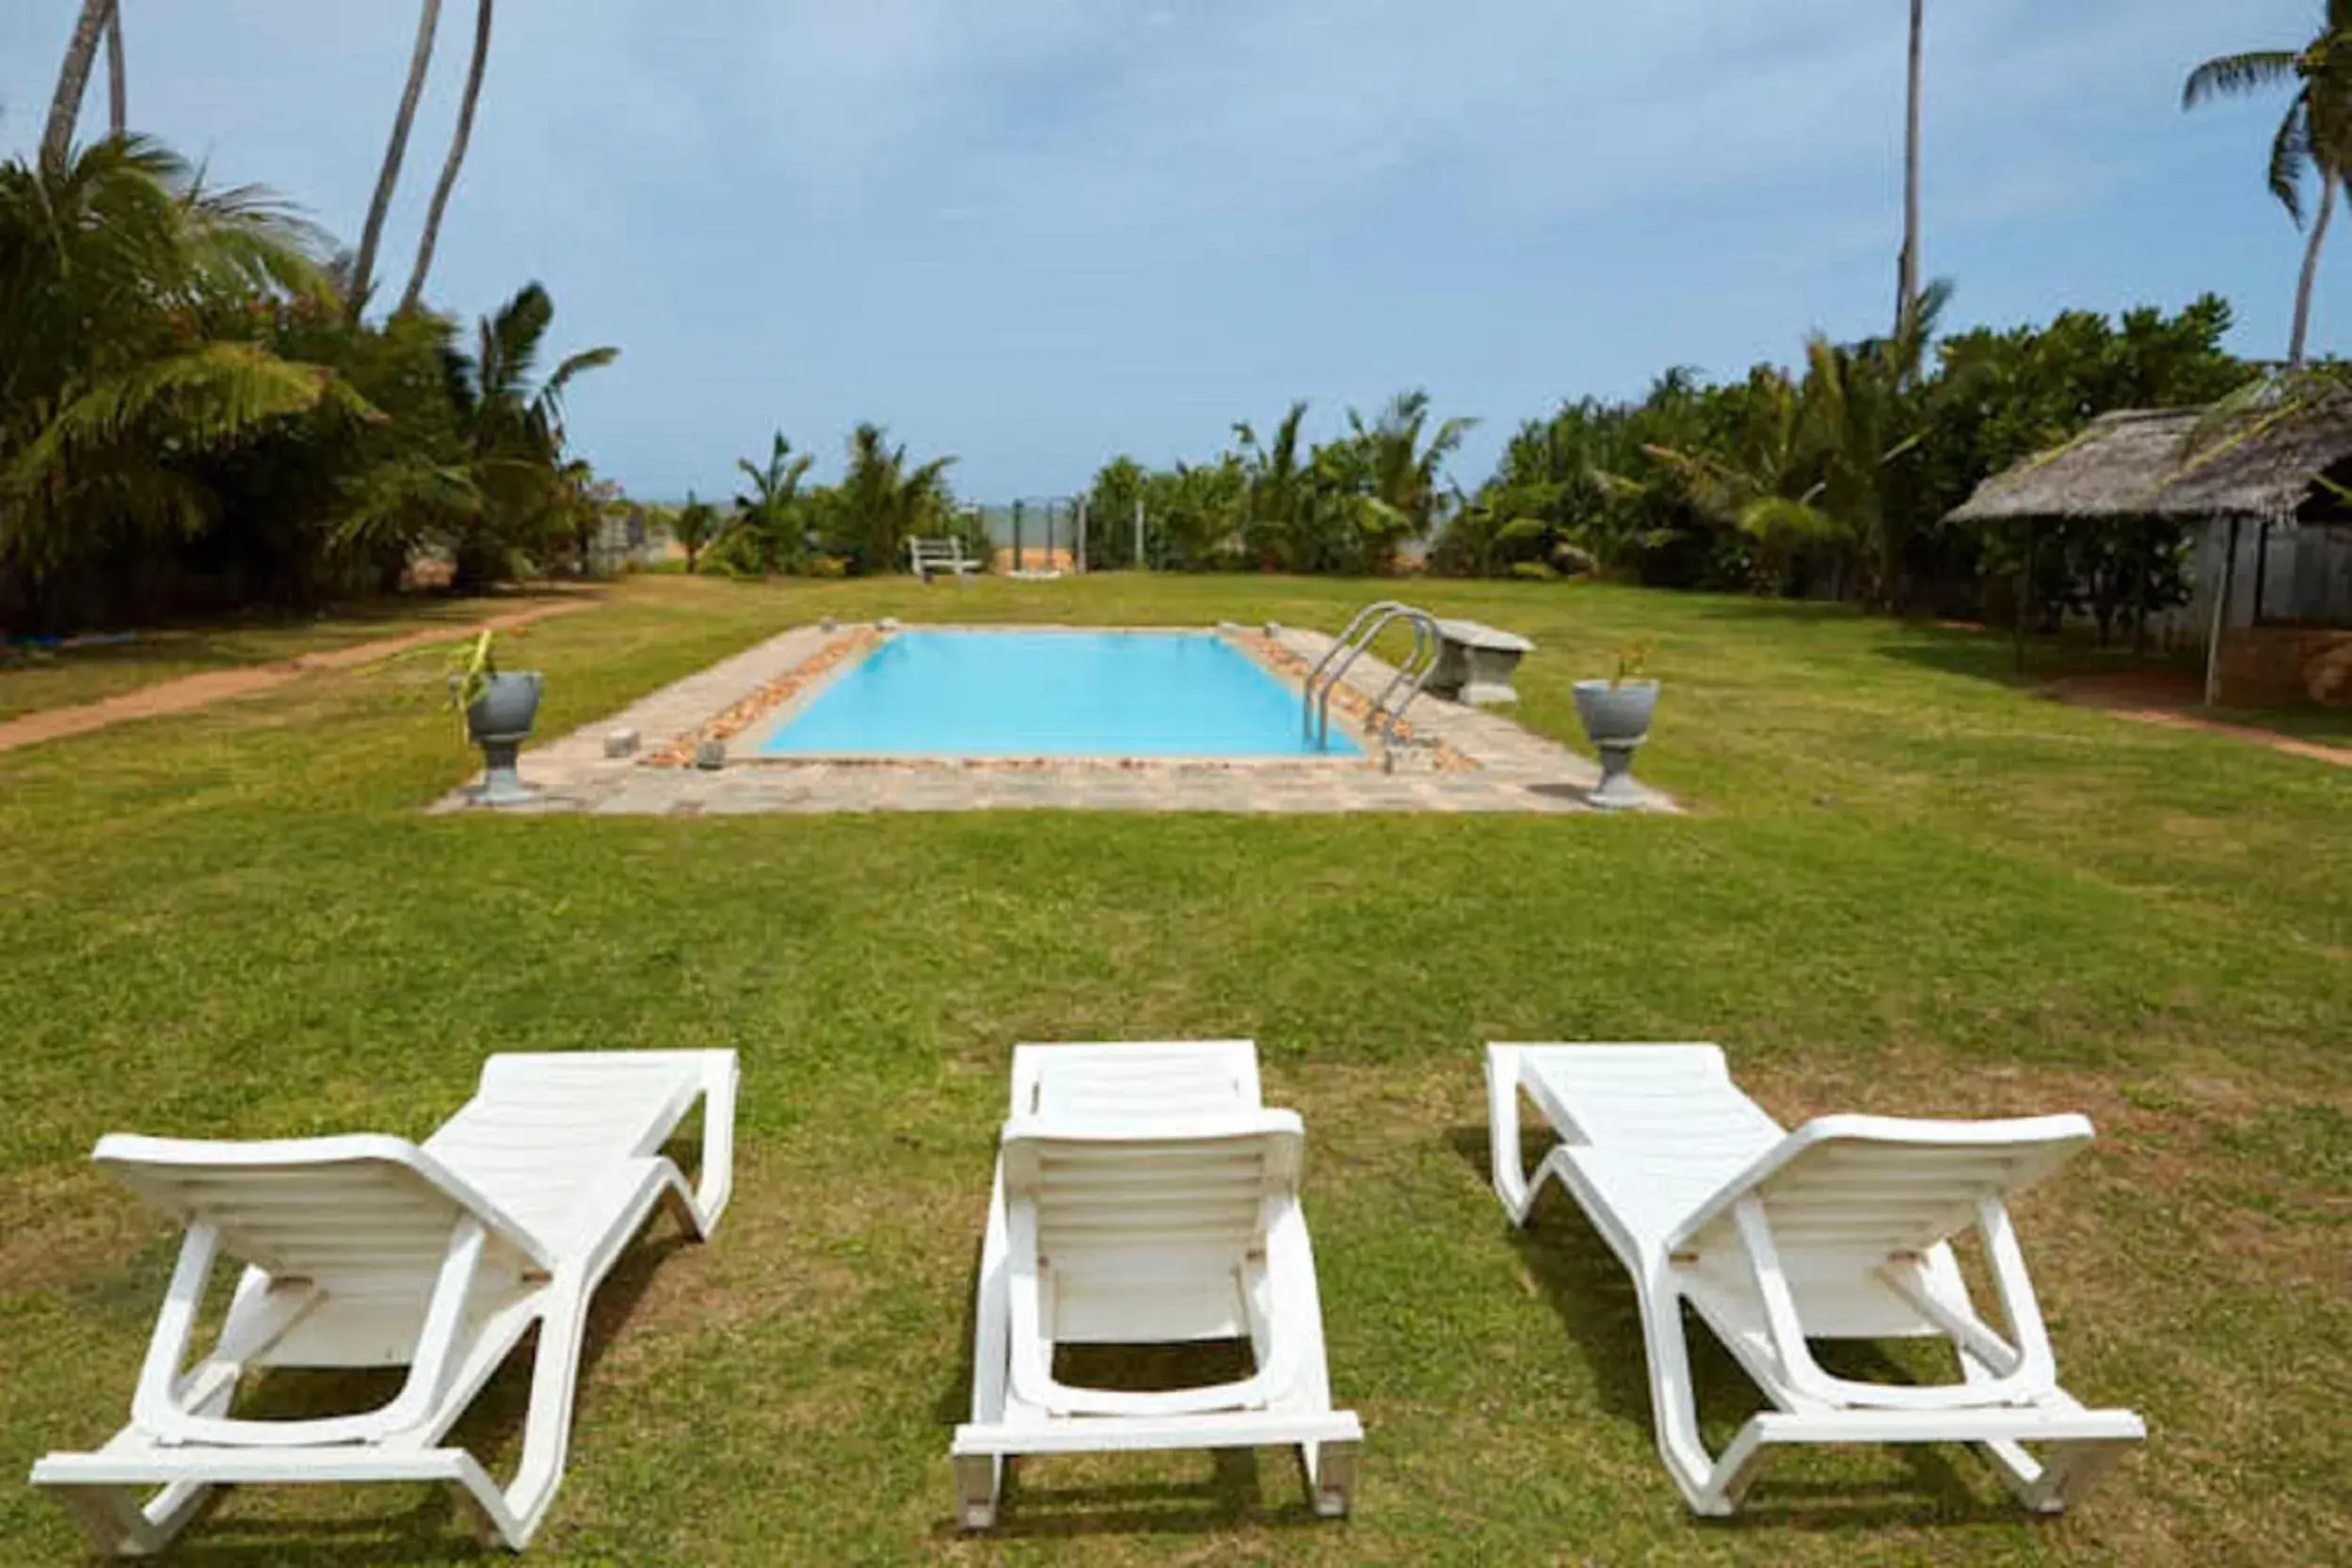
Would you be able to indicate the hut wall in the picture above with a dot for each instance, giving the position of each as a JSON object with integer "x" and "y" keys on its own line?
{"x": 2309, "y": 576}
{"x": 2305, "y": 574}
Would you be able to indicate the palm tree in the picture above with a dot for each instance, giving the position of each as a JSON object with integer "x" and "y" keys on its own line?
{"x": 2317, "y": 133}
{"x": 692, "y": 527}
{"x": 488, "y": 502}
{"x": 81, "y": 52}
{"x": 126, "y": 290}
{"x": 1907, "y": 272}
{"x": 1404, "y": 493}
{"x": 1767, "y": 481}
{"x": 1866, "y": 406}
{"x": 1279, "y": 493}
{"x": 117, "y": 87}
{"x": 770, "y": 520}
{"x": 388, "y": 177}
{"x": 880, "y": 502}
{"x": 457, "y": 156}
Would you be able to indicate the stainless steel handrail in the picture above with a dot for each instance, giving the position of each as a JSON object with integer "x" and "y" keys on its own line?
{"x": 1413, "y": 675}
{"x": 1362, "y": 630}
{"x": 1338, "y": 646}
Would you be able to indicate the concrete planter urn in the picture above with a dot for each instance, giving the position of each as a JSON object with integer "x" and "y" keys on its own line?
{"x": 499, "y": 721}
{"x": 1616, "y": 715}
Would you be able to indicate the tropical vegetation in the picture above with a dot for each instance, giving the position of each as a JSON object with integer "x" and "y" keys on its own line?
{"x": 1828, "y": 479}
{"x": 859, "y": 525}
{"x": 236, "y": 429}
{"x": 1280, "y": 503}
{"x": 191, "y": 418}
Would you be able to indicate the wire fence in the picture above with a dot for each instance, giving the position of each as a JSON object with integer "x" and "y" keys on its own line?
{"x": 1060, "y": 532}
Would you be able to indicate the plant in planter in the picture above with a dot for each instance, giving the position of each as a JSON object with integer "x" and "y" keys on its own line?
{"x": 1616, "y": 714}
{"x": 495, "y": 711}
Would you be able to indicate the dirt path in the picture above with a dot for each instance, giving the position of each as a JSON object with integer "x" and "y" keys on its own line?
{"x": 2161, "y": 697}
{"x": 190, "y": 692}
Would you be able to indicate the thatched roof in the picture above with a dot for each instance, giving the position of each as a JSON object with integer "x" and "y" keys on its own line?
{"x": 2158, "y": 464}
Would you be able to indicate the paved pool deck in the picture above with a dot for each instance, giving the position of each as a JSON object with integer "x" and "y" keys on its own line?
{"x": 1460, "y": 759}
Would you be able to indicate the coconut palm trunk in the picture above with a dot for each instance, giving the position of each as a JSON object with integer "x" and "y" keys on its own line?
{"x": 2327, "y": 178}
{"x": 388, "y": 177}
{"x": 432, "y": 236}
{"x": 118, "y": 90}
{"x": 81, "y": 54}
{"x": 1907, "y": 268}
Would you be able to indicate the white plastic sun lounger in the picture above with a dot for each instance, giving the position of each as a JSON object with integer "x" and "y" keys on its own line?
{"x": 371, "y": 1251}
{"x": 1144, "y": 1195}
{"x": 1841, "y": 1229}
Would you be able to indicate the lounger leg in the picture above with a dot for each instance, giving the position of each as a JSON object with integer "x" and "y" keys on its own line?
{"x": 980, "y": 1478}
{"x": 1673, "y": 1403}
{"x": 2052, "y": 1484}
{"x": 716, "y": 1180}
{"x": 513, "y": 1514}
{"x": 2046, "y": 1485}
{"x": 978, "y": 1481}
{"x": 120, "y": 1526}
{"x": 1502, "y": 1133}
{"x": 1330, "y": 1477}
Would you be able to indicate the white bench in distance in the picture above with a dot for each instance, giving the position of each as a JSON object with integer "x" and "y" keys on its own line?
{"x": 930, "y": 557}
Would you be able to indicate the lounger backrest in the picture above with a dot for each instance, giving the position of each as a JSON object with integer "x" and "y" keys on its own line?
{"x": 1178, "y": 1081}
{"x": 1168, "y": 1188}
{"x": 357, "y": 1216}
{"x": 1864, "y": 1188}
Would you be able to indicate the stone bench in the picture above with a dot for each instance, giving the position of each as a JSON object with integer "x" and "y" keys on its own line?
{"x": 1475, "y": 663}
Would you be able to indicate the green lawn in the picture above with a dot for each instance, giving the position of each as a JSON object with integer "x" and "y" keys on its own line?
{"x": 1904, "y": 885}
{"x": 36, "y": 679}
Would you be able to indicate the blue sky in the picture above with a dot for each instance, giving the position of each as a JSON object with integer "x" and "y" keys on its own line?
{"x": 1034, "y": 233}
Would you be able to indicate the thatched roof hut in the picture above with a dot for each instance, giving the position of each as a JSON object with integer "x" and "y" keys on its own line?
{"x": 2158, "y": 464}
{"x": 2256, "y": 472}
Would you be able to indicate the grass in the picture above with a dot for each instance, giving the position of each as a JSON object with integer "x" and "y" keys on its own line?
{"x": 1905, "y": 887}
{"x": 58, "y": 678}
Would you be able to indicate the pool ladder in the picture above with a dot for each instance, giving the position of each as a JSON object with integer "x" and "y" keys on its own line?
{"x": 1362, "y": 628}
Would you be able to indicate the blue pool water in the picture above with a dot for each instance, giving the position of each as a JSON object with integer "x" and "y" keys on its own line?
{"x": 1053, "y": 694}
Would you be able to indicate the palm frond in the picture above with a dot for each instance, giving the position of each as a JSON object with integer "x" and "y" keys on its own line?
{"x": 2232, "y": 75}
{"x": 411, "y": 502}
{"x": 550, "y": 399}
{"x": 510, "y": 342}
{"x": 2291, "y": 158}
{"x": 207, "y": 397}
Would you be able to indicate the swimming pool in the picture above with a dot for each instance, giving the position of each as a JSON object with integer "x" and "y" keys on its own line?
{"x": 1052, "y": 693}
